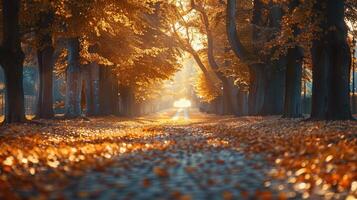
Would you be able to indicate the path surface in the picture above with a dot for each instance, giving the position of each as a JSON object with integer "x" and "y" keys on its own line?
{"x": 190, "y": 167}
{"x": 153, "y": 157}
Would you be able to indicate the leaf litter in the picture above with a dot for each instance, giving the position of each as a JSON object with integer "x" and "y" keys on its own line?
{"x": 297, "y": 158}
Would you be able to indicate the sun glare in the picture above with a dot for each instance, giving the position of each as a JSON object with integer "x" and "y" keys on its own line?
{"x": 182, "y": 103}
{"x": 182, "y": 106}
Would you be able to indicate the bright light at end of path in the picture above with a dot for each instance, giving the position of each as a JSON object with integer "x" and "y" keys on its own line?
{"x": 182, "y": 106}
{"x": 182, "y": 103}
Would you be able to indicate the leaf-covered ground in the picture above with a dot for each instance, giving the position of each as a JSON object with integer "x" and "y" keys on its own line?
{"x": 206, "y": 157}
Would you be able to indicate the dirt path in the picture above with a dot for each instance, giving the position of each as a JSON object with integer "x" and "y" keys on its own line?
{"x": 190, "y": 167}
{"x": 155, "y": 157}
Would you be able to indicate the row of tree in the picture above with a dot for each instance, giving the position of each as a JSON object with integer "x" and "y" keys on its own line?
{"x": 129, "y": 47}
{"x": 271, "y": 41}
{"x": 106, "y": 48}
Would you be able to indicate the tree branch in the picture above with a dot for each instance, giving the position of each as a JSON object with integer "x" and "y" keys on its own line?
{"x": 210, "y": 41}
{"x": 233, "y": 37}
{"x": 187, "y": 47}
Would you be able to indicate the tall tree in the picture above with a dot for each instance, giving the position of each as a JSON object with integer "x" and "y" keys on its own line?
{"x": 293, "y": 102}
{"x": 274, "y": 68}
{"x": 45, "y": 58}
{"x": 265, "y": 85}
{"x": 12, "y": 59}
{"x": 73, "y": 79}
{"x": 331, "y": 63}
{"x": 226, "y": 86}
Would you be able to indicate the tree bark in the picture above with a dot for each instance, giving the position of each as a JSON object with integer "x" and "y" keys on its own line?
{"x": 292, "y": 103}
{"x": 227, "y": 98}
{"x": 45, "y": 58}
{"x": 331, "y": 64}
{"x": 92, "y": 89}
{"x": 12, "y": 59}
{"x": 274, "y": 89}
{"x": 73, "y": 80}
{"x": 108, "y": 92}
{"x": 242, "y": 108}
{"x": 256, "y": 90}
{"x": 275, "y": 70}
{"x": 15, "y": 111}
{"x": 114, "y": 94}
{"x": 104, "y": 91}
{"x": 128, "y": 101}
{"x": 234, "y": 91}
{"x": 45, "y": 66}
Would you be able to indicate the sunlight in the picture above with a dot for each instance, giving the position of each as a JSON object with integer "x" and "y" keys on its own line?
{"x": 177, "y": 116}
{"x": 193, "y": 35}
{"x": 182, "y": 103}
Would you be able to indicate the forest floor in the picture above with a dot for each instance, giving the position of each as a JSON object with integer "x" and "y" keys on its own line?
{"x": 155, "y": 157}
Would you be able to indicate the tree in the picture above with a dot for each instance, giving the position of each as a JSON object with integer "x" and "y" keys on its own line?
{"x": 226, "y": 87}
{"x": 45, "y": 59}
{"x": 266, "y": 77}
{"x": 294, "y": 56}
{"x": 331, "y": 63}
{"x": 137, "y": 52}
{"x": 292, "y": 102}
{"x": 194, "y": 34}
{"x": 73, "y": 79}
{"x": 11, "y": 60}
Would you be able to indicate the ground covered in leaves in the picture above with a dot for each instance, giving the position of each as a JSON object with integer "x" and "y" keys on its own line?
{"x": 155, "y": 157}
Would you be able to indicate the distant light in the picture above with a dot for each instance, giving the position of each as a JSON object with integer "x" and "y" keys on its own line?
{"x": 182, "y": 103}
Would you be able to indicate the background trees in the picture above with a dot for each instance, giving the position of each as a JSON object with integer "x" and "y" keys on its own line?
{"x": 11, "y": 59}
{"x": 116, "y": 54}
{"x": 306, "y": 26}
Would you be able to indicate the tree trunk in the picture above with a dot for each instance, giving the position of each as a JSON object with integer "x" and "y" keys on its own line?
{"x": 235, "y": 101}
{"x": 92, "y": 89}
{"x": 292, "y": 103}
{"x": 275, "y": 69}
{"x": 266, "y": 88}
{"x": 226, "y": 89}
{"x": 128, "y": 101}
{"x": 274, "y": 89}
{"x": 256, "y": 89}
{"x": 12, "y": 62}
{"x": 227, "y": 102}
{"x": 114, "y": 94}
{"x": 242, "y": 105}
{"x": 104, "y": 91}
{"x": 87, "y": 89}
{"x": 108, "y": 92}
{"x": 45, "y": 98}
{"x": 15, "y": 111}
{"x": 256, "y": 71}
{"x": 331, "y": 64}
{"x": 73, "y": 80}
{"x": 45, "y": 58}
